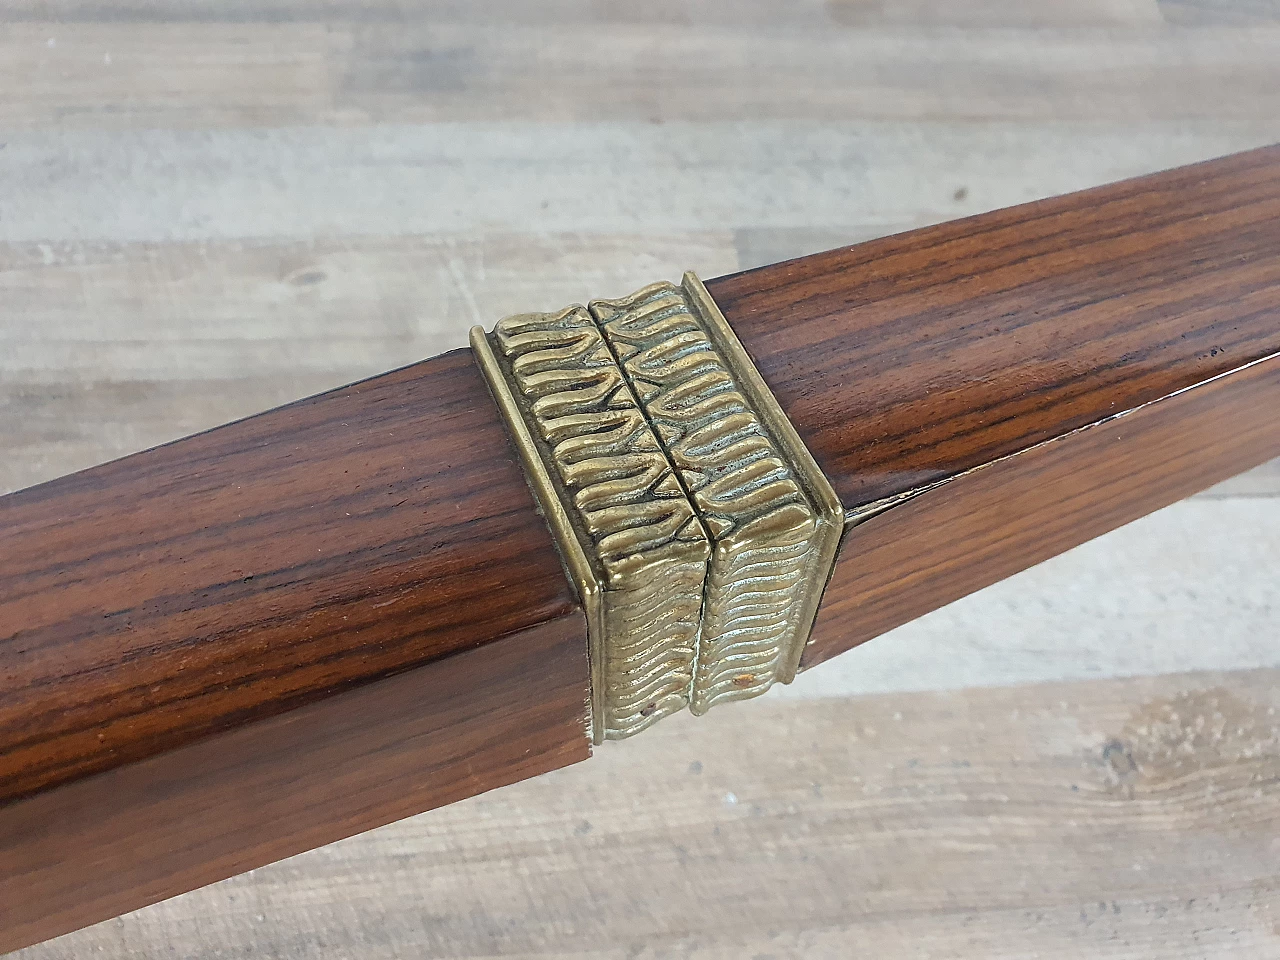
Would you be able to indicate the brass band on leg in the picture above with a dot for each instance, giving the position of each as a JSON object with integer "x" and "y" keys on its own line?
{"x": 696, "y": 526}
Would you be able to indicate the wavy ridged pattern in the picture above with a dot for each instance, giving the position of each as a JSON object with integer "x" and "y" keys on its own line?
{"x": 748, "y": 497}
{"x": 650, "y": 548}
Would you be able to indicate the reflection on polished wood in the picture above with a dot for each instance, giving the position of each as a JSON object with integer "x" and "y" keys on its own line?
{"x": 1002, "y": 388}
{"x": 264, "y": 638}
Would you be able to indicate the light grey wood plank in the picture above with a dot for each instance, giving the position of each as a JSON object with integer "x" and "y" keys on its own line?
{"x": 109, "y": 348}
{"x": 999, "y": 13}
{"x": 1105, "y": 819}
{"x": 191, "y": 76}
{"x": 102, "y": 311}
{"x": 430, "y": 73}
{"x": 559, "y": 178}
{"x": 1221, "y": 12}
{"x": 1262, "y": 482}
{"x": 200, "y": 75}
{"x": 667, "y": 13}
{"x": 671, "y": 13}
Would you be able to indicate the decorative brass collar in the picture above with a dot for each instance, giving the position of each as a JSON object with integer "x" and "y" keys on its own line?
{"x": 697, "y": 528}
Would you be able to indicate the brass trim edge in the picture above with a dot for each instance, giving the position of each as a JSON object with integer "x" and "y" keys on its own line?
{"x": 636, "y": 547}
{"x": 552, "y": 507}
{"x": 696, "y": 526}
{"x": 823, "y": 494}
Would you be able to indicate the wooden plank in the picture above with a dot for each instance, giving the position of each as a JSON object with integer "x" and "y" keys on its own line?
{"x": 544, "y": 13}
{"x": 199, "y": 75}
{"x": 1107, "y": 819}
{"x": 668, "y": 13}
{"x": 1004, "y": 14}
{"x": 1022, "y": 509}
{"x": 117, "y": 347}
{"x": 345, "y": 307}
{"x": 637, "y": 179}
{"x": 1214, "y": 13}
{"x": 190, "y": 76}
{"x": 429, "y": 73}
{"x": 758, "y": 248}
{"x": 208, "y": 593}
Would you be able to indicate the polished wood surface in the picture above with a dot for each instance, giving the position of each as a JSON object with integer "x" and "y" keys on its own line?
{"x": 912, "y": 364}
{"x": 996, "y": 520}
{"x": 187, "y": 594}
{"x": 910, "y": 359}
{"x": 358, "y": 759}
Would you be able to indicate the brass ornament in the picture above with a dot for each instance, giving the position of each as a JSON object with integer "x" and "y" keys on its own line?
{"x": 696, "y": 526}
{"x": 629, "y": 535}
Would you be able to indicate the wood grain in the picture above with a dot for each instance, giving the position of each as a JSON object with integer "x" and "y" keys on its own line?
{"x": 962, "y": 364}
{"x": 1220, "y": 13}
{"x": 908, "y": 360}
{"x": 1111, "y": 819}
{"x": 77, "y": 186}
{"x": 1139, "y": 601}
{"x": 245, "y": 573}
{"x": 998, "y": 519}
{"x": 660, "y": 13}
{"x": 841, "y": 63}
{"x": 139, "y": 833}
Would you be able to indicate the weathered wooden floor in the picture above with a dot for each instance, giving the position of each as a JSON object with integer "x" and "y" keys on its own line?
{"x": 208, "y": 208}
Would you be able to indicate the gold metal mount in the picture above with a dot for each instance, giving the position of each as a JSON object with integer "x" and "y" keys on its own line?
{"x": 695, "y": 525}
